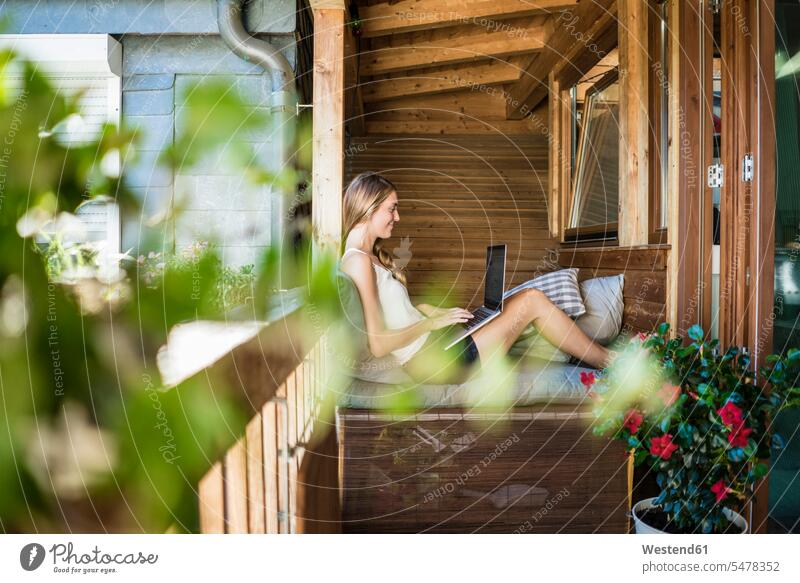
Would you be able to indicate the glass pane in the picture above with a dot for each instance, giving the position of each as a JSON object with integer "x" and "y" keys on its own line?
{"x": 784, "y": 477}
{"x": 597, "y": 170}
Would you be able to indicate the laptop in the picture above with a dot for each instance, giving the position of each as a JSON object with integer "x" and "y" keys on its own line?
{"x": 492, "y": 293}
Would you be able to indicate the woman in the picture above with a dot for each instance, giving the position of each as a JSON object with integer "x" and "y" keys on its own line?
{"x": 416, "y": 335}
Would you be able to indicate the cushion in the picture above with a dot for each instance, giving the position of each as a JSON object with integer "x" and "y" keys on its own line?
{"x": 351, "y": 348}
{"x": 602, "y": 297}
{"x": 534, "y": 383}
{"x": 561, "y": 287}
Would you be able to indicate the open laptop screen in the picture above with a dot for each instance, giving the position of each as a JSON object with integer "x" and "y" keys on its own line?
{"x": 495, "y": 276}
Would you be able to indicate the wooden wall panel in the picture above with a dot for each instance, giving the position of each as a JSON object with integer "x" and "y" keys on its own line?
{"x": 211, "y": 491}
{"x": 236, "y": 489}
{"x": 644, "y": 268}
{"x": 282, "y": 476}
{"x": 457, "y": 195}
{"x": 271, "y": 460}
{"x": 255, "y": 476}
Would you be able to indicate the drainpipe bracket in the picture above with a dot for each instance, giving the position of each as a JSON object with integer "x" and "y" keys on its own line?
{"x": 282, "y": 109}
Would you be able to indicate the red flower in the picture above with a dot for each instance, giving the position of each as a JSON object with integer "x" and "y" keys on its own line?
{"x": 633, "y": 419}
{"x": 669, "y": 393}
{"x": 641, "y": 336}
{"x": 587, "y": 378}
{"x": 731, "y": 415}
{"x": 720, "y": 490}
{"x": 738, "y": 437}
{"x": 662, "y": 446}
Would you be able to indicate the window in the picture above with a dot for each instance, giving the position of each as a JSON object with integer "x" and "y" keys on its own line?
{"x": 595, "y": 182}
{"x": 91, "y": 64}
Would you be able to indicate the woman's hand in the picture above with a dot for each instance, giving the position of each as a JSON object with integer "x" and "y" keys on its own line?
{"x": 443, "y": 317}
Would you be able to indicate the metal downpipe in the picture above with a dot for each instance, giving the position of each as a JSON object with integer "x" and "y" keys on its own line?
{"x": 230, "y": 15}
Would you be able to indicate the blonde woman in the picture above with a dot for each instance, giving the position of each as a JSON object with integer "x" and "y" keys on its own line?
{"x": 416, "y": 335}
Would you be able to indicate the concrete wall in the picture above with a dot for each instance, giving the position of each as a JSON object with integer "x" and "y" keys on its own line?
{"x": 141, "y": 16}
{"x": 163, "y": 55}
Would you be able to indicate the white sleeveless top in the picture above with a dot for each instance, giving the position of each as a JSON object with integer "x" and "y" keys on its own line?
{"x": 398, "y": 311}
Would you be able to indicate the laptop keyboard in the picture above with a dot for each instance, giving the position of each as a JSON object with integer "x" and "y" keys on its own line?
{"x": 478, "y": 316}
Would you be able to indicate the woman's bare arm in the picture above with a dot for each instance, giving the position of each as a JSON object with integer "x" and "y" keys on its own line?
{"x": 426, "y": 309}
{"x": 380, "y": 340}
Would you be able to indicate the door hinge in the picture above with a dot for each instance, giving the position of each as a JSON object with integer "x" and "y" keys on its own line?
{"x": 747, "y": 277}
{"x": 716, "y": 175}
{"x": 747, "y": 168}
{"x": 714, "y": 6}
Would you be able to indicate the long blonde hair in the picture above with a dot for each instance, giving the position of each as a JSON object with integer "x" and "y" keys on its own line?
{"x": 363, "y": 196}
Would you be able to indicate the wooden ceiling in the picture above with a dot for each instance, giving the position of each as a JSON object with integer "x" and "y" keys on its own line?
{"x": 459, "y": 66}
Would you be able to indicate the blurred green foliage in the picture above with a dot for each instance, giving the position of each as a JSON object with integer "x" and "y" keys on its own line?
{"x": 89, "y": 438}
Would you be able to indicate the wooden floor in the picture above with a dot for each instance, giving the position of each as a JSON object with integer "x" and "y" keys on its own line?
{"x": 457, "y": 195}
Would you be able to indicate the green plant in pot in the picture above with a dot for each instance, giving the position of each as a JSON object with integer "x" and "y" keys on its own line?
{"x": 700, "y": 418}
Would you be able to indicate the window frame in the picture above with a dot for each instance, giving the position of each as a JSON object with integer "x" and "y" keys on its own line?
{"x": 659, "y": 99}
{"x": 601, "y": 233}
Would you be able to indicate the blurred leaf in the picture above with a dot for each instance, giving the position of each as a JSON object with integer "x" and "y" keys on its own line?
{"x": 695, "y": 332}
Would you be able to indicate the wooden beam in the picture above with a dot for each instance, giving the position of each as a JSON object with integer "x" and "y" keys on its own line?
{"x": 460, "y": 44}
{"x": 482, "y": 105}
{"x": 328, "y": 132}
{"x": 407, "y": 15}
{"x": 579, "y": 61}
{"x": 473, "y": 77}
{"x": 317, "y": 5}
{"x": 459, "y": 126}
{"x": 590, "y": 21}
{"x": 633, "y": 124}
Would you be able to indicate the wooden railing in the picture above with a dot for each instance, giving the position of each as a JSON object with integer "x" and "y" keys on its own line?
{"x": 282, "y": 475}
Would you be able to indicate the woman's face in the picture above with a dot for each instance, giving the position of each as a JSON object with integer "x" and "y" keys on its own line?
{"x": 384, "y": 218}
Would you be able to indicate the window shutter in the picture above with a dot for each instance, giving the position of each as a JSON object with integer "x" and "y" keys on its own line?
{"x": 91, "y": 64}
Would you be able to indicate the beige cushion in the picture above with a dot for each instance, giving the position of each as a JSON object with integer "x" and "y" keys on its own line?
{"x": 602, "y": 297}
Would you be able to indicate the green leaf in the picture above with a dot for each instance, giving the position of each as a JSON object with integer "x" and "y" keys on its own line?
{"x": 736, "y": 454}
{"x": 695, "y": 333}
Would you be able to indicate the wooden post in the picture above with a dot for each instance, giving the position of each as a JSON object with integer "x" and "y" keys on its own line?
{"x": 328, "y": 130}
{"x": 633, "y": 159}
{"x": 559, "y": 170}
{"x": 689, "y": 228}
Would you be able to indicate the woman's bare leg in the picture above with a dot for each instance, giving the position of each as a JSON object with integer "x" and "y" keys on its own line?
{"x": 533, "y": 306}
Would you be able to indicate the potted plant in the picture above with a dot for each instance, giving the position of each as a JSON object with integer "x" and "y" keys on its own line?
{"x": 700, "y": 419}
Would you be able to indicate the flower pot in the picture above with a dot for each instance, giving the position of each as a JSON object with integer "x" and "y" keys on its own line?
{"x": 644, "y": 528}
